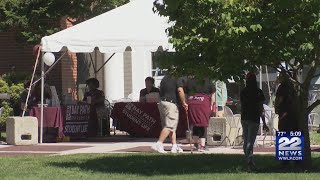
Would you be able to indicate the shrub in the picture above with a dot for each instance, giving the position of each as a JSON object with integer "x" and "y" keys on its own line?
{"x": 12, "y": 84}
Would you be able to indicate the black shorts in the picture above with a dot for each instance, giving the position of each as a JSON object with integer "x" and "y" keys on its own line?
{"x": 199, "y": 131}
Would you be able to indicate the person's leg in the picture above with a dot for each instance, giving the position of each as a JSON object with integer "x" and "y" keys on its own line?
{"x": 164, "y": 134}
{"x": 158, "y": 146}
{"x": 252, "y": 134}
{"x": 202, "y": 137}
{"x": 245, "y": 137}
{"x": 202, "y": 147}
{"x": 195, "y": 133}
{"x": 172, "y": 120}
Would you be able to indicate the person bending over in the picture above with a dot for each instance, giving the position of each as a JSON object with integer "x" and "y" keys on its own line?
{"x": 199, "y": 108}
{"x": 171, "y": 91}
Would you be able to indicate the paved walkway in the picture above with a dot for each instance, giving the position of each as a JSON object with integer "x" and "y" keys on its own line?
{"x": 115, "y": 145}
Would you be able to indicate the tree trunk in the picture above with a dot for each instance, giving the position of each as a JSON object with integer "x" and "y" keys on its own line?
{"x": 302, "y": 114}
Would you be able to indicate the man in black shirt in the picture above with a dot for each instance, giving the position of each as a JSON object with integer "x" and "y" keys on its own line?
{"x": 171, "y": 90}
{"x": 252, "y": 99}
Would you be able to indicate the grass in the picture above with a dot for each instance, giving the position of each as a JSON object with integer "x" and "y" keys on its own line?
{"x": 315, "y": 138}
{"x": 148, "y": 166}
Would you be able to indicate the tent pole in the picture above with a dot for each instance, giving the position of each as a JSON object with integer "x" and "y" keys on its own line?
{"x": 106, "y": 62}
{"x": 42, "y": 99}
{"x": 95, "y": 59}
{"x": 260, "y": 75}
{"x": 50, "y": 68}
{"x": 269, "y": 89}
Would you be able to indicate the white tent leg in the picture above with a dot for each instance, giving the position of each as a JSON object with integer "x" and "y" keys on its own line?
{"x": 260, "y": 76}
{"x": 269, "y": 89}
{"x": 42, "y": 99}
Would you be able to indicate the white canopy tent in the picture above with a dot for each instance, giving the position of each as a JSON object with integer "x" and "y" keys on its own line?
{"x": 133, "y": 25}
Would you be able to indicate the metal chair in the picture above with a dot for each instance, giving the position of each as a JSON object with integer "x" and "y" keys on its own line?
{"x": 313, "y": 121}
{"x": 230, "y": 118}
{"x": 269, "y": 117}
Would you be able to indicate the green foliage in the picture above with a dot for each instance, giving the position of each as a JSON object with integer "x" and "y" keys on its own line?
{"x": 243, "y": 34}
{"x": 8, "y": 111}
{"x": 34, "y": 19}
{"x": 13, "y": 84}
{"x": 225, "y": 38}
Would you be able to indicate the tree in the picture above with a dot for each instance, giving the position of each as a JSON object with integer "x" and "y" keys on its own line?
{"x": 33, "y": 19}
{"x": 225, "y": 38}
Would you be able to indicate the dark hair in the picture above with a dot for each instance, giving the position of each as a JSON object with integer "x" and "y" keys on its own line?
{"x": 93, "y": 81}
{"x": 26, "y": 84}
{"x": 251, "y": 80}
{"x": 252, "y": 83}
{"x": 150, "y": 79}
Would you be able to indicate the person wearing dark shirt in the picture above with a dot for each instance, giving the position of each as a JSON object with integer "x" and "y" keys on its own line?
{"x": 96, "y": 99}
{"x": 35, "y": 96}
{"x": 149, "y": 82}
{"x": 284, "y": 105}
{"x": 199, "y": 108}
{"x": 171, "y": 93}
{"x": 251, "y": 98}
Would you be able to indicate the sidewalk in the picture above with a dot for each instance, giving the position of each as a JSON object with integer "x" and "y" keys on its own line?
{"x": 116, "y": 145}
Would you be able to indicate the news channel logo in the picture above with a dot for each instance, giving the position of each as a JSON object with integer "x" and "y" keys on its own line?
{"x": 290, "y": 146}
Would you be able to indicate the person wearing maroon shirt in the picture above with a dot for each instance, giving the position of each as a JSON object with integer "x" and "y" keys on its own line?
{"x": 199, "y": 108}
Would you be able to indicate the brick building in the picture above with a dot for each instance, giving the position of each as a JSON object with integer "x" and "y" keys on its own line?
{"x": 12, "y": 53}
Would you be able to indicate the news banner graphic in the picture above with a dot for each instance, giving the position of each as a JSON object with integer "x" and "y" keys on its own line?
{"x": 290, "y": 146}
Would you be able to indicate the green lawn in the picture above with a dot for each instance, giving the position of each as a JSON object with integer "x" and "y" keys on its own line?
{"x": 315, "y": 138}
{"x": 148, "y": 166}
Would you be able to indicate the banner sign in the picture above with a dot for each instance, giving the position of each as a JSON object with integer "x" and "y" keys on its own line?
{"x": 143, "y": 119}
{"x": 77, "y": 120}
{"x": 138, "y": 116}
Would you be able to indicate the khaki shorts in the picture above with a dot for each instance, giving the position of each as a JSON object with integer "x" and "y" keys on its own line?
{"x": 169, "y": 115}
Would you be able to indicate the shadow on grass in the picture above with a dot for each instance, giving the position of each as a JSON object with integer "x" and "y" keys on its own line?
{"x": 154, "y": 164}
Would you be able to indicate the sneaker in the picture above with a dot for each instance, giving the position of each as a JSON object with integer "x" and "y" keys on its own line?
{"x": 176, "y": 149}
{"x": 158, "y": 148}
{"x": 203, "y": 149}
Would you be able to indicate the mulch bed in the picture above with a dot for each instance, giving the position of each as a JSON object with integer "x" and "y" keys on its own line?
{"x": 41, "y": 148}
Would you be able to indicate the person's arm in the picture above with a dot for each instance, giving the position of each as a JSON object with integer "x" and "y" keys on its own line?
{"x": 263, "y": 117}
{"x": 85, "y": 97}
{"x": 262, "y": 111}
{"x": 182, "y": 97}
{"x": 141, "y": 96}
{"x": 213, "y": 99}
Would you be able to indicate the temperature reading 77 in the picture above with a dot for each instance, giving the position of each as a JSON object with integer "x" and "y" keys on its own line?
{"x": 281, "y": 133}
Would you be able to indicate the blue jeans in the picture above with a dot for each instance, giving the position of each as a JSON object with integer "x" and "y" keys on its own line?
{"x": 250, "y": 131}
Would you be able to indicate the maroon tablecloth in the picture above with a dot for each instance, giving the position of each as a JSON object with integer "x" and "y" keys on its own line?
{"x": 143, "y": 119}
{"x": 52, "y": 118}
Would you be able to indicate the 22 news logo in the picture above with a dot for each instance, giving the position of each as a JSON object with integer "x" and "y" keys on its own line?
{"x": 289, "y": 146}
